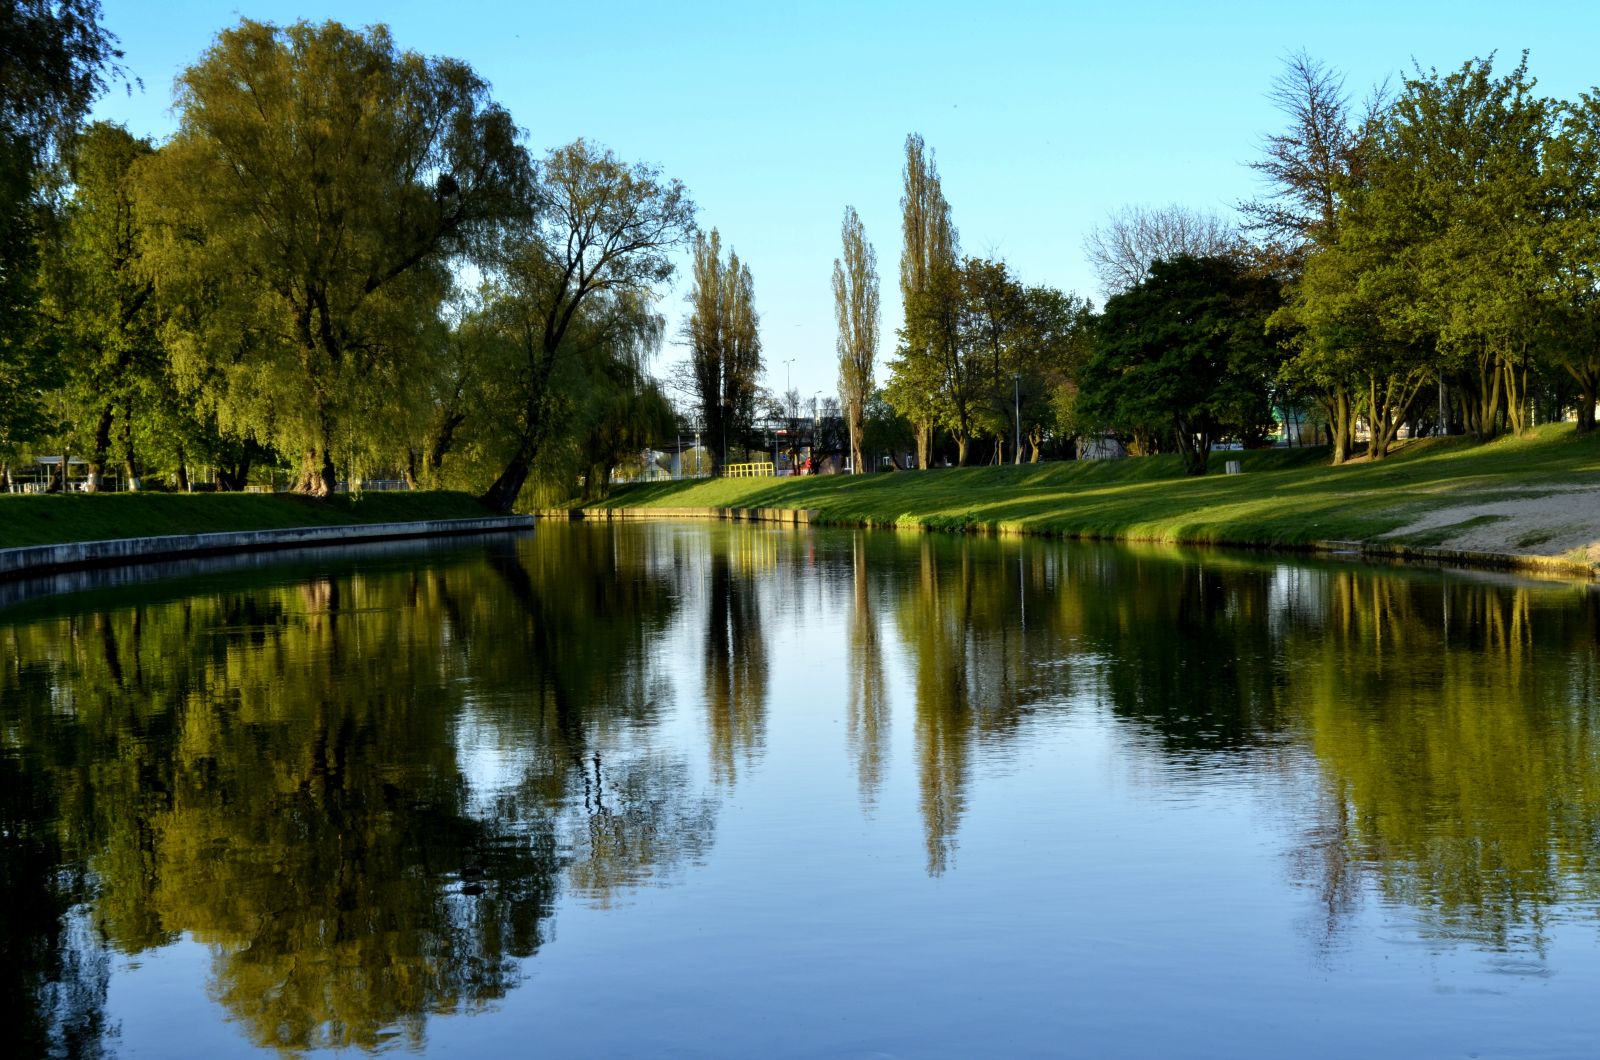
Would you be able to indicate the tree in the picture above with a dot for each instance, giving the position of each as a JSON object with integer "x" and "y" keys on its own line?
{"x": 306, "y": 216}
{"x": 1048, "y": 358}
{"x": 724, "y": 344}
{"x": 1186, "y": 350}
{"x": 1573, "y": 248}
{"x": 855, "y": 296}
{"x": 994, "y": 317}
{"x": 1123, "y": 249}
{"x": 99, "y": 297}
{"x": 604, "y": 231}
{"x": 55, "y": 58}
{"x": 927, "y": 259}
{"x": 1309, "y": 167}
{"x": 1442, "y": 234}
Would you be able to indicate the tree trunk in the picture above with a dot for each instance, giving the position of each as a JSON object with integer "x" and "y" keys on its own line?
{"x": 130, "y": 459}
{"x": 503, "y": 494}
{"x": 410, "y": 472}
{"x": 1587, "y": 377}
{"x": 1341, "y": 424}
{"x": 961, "y": 451}
{"x": 924, "y": 444}
{"x": 1194, "y": 446}
{"x": 856, "y": 464}
{"x": 1515, "y": 372}
{"x": 97, "y": 452}
{"x": 440, "y": 444}
{"x": 235, "y": 478}
{"x": 183, "y": 471}
{"x": 317, "y": 477}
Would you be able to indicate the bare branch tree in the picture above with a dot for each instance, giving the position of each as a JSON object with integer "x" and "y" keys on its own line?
{"x": 1305, "y": 164}
{"x": 1123, "y": 249}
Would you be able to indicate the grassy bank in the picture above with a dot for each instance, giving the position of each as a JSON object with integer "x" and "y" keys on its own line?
{"x": 1435, "y": 492}
{"x": 48, "y": 520}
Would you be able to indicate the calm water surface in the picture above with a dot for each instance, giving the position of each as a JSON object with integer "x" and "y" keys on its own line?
{"x": 711, "y": 790}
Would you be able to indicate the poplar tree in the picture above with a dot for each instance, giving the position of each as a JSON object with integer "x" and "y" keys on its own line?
{"x": 855, "y": 296}
{"x": 927, "y": 270}
{"x": 724, "y": 344}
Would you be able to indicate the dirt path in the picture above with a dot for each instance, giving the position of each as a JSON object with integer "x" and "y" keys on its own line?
{"x": 1550, "y": 521}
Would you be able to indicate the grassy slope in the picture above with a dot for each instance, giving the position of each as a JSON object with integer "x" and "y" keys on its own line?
{"x": 1285, "y": 496}
{"x": 47, "y": 520}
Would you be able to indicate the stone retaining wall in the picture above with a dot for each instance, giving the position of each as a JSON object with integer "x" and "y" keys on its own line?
{"x": 48, "y": 559}
{"x": 788, "y": 516}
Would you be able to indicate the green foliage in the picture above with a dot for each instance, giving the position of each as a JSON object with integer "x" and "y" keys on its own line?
{"x": 855, "y": 296}
{"x": 1285, "y": 497}
{"x": 596, "y": 249}
{"x": 304, "y": 219}
{"x": 724, "y": 344}
{"x": 55, "y": 58}
{"x": 1184, "y": 354}
{"x": 99, "y": 300}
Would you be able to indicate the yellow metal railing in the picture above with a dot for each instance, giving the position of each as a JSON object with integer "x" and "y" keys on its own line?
{"x": 760, "y": 469}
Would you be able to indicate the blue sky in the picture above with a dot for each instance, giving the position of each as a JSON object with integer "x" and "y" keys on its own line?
{"x": 1045, "y": 117}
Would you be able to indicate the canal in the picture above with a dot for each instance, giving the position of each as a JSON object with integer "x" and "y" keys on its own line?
{"x": 710, "y": 789}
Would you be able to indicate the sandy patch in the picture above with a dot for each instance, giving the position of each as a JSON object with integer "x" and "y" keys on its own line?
{"x": 1557, "y": 522}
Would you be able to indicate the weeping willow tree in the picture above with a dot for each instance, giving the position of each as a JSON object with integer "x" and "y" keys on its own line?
{"x": 597, "y": 407}
{"x": 305, "y": 219}
{"x": 597, "y": 247}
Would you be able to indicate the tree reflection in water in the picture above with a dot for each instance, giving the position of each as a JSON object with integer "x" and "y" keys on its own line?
{"x": 364, "y": 785}
{"x": 278, "y": 774}
{"x": 736, "y": 652}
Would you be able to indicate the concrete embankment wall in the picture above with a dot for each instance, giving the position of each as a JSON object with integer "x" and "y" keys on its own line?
{"x": 788, "y": 516}
{"x": 1553, "y": 566}
{"x": 48, "y": 559}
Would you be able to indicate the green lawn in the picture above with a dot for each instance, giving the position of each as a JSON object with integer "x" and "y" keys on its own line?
{"x": 1284, "y": 497}
{"x": 27, "y": 519}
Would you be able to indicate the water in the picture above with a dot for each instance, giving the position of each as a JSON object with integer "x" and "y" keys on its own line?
{"x": 733, "y": 790}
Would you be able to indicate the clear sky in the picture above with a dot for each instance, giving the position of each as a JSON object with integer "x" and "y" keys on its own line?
{"x": 1045, "y": 117}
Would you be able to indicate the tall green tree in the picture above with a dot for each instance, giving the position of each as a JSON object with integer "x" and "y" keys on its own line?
{"x": 1571, "y": 245}
{"x": 1185, "y": 352}
{"x": 994, "y": 321}
{"x": 306, "y": 216}
{"x": 855, "y": 298}
{"x": 724, "y": 344}
{"x": 1309, "y": 167}
{"x": 99, "y": 295}
{"x": 927, "y": 266}
{"x": 1048, "y": 357}
{"x": 1451, "y": 210}
{"x": 603, "y": 231}
{"x": 55, "y": 59}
